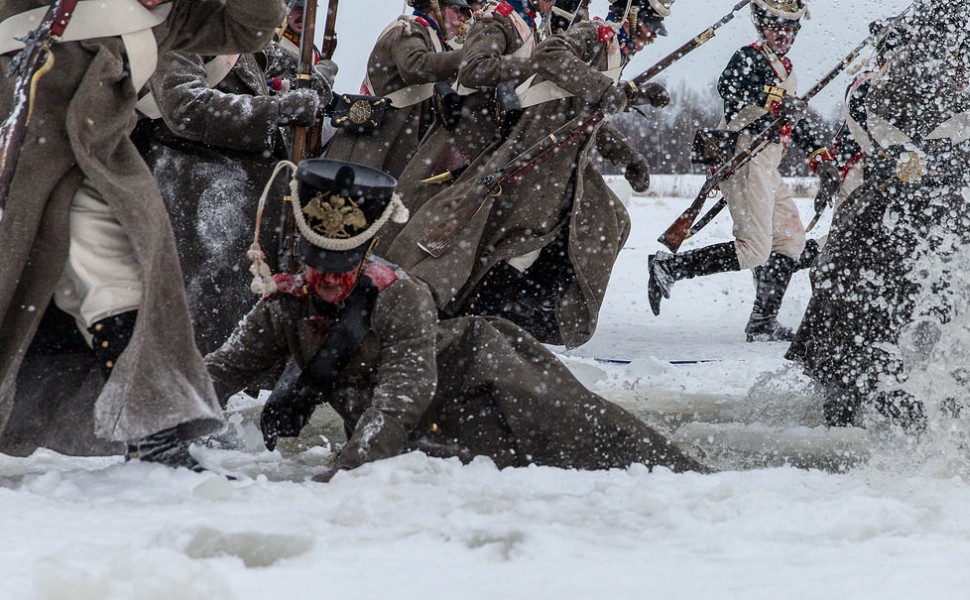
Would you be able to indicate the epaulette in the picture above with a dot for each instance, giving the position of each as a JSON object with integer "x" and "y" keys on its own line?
{"x": 505, "y": 9}
{"x": 606, "y": 34}
{"x": 422, "y": 21}
{"x": 381, "y": 274}
{"x": 288, "y": 283}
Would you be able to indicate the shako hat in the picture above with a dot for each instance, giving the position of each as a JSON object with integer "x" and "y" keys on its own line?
{"x": 780, "y": 13}
{"x": 339, "y": 207}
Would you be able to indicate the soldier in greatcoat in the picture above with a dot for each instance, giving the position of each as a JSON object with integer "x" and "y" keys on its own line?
{"x": 84, "y": 225}
{"x": 495, "y": 59}
{"x": 365, "y": 338}
{"x": 411, "y": 55}
{"x": 212, "y": 149}
{"x": 758, "y": 85}
{"x": 540, "y": 251}
{"x": 886, "y": 268}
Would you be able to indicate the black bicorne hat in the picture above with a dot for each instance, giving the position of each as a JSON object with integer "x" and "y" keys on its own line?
{"x": 341, "y": 206}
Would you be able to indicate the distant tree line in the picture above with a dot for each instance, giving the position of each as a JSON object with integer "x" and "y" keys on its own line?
{"x": 664, "y": 135}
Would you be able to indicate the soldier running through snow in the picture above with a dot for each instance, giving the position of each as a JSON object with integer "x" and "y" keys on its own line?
{"x": 365, "y": 338}
{"x": 758, "y": 85}
{"x": 84, "y": 227}
{"x": 540, "y": 250}
{"x": 411, "y": 55}
{"x": 495, "y": 59}
{"x": 884, "y": 275}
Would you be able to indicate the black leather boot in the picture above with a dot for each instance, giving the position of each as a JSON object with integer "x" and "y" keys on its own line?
{"x": 166, "y": 448}
{"x": 842, "y": 407}
{"x": 110, "y": 337}
{"x": 666, "y": 268}
{"x": 508, "y": 293}
{"x": 771, "y": 283}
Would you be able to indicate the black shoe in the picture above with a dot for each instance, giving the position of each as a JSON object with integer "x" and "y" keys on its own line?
{"x": 769, "y": 331}
{"x": 166, "y": 448}
{"x": 771, "y": 282}
{"x": 537, "y": 316}
{"x": 901, "y": 410}
{"x": 660, "y": 282}
{"x": 841, "y": 408}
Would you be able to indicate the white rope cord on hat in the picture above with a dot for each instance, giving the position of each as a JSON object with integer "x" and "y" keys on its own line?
{"x": 263, "y": 282}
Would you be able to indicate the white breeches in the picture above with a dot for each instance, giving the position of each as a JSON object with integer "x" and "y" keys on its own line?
{"x": 101, "y": 278}
{"x": 765, "y": 216}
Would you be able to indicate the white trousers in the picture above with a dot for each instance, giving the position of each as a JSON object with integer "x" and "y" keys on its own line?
{"x": 765, "y": 216}
{"x": 101, "y": 278}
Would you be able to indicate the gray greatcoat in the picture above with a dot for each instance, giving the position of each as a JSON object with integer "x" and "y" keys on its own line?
{"x": 212, "y": 152}
{"x": 565, "y": 191}
{"x": 463, "y": 387}
{"x": 491, "y": 56}
{"x": 82, "y": 117}
{"x": 403, "y": 57}
{"x": 884, "y": 266}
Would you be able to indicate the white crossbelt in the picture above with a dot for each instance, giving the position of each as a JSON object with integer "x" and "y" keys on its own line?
{"x": 531, "y": 93}
{"x": 98, "y": 19}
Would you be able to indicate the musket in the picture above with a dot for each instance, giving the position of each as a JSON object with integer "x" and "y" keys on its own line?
{"x": 682, "y": 228}
{"x": 438, "y": 239}
{"x": 302, "y": 136}
{"x": 27, "y": 68}
{"x": 330, "y": 31}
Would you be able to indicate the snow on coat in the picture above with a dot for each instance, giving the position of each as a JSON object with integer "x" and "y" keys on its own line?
{"x": 884, "y": 270}
{"x": 461, "y": 387}
{"x": 83, "y": 114}
{"x": 212, "y": 153}
{"x": 532, "y": 210}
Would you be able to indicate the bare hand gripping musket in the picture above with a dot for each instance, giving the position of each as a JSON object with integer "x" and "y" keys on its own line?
{"x": 27, "y": 68}
{"x": 682, "y": 228}
{"x": 306, "y": 140}
{"x": 436, "y": 241}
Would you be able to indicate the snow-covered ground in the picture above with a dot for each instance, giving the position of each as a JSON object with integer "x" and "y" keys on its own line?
{"x": 798, "y": 511}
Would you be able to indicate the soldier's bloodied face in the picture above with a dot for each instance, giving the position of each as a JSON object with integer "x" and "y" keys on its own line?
{"x": 331, "y": 287}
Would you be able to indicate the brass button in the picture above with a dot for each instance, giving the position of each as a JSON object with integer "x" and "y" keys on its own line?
{"x": 110, "y": 364}
{"x": 104, "y": 344}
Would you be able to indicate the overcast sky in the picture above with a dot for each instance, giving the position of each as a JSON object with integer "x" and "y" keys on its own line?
{"x": 835, "y": 28}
